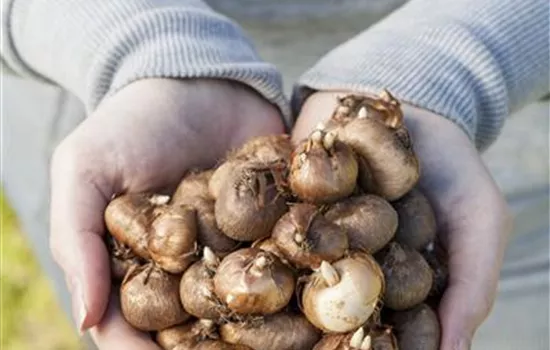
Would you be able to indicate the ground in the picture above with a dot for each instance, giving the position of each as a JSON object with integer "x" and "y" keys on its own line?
{"x": 30, "y": 315}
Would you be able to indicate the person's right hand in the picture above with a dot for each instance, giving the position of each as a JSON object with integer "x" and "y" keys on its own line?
{"x": 143, "y": 138}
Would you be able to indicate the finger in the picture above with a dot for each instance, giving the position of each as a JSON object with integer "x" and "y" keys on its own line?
{"x": 115, "y": 333}
{"x": 475, "y": 243}
{"x": 77, "y": 205}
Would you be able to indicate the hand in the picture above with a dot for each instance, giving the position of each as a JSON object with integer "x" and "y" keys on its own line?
{"x": 142, "y": 138}
{"x": 473, "y": 218}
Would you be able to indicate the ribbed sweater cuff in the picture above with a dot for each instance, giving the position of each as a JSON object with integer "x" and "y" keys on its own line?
{"x": 114, "y": 43}
{"x": 183, "y": 45}
{"x": 468, "y": 66}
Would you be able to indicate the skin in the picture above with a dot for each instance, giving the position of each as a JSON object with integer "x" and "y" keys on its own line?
{"x": 144, "y": 137}
{"x": 471, "y": 212}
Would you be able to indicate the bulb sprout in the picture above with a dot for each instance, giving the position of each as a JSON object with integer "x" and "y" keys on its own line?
{"x": 317, "y": 136}
{"x": 299, "y": 238}
{"x": 260, "y": 263}
{"x": 329, "y": 139}
{"x": 366, "y": 344}
{"x": 329, "y": 273}
{"x": 159, "y": 199}
{"x": 362, "y": 113}
{"x": 357, "y": 338}
{"x": 210, "y": 258}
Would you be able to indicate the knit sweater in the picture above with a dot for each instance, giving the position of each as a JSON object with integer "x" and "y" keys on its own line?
{"x": 471, "y": 61}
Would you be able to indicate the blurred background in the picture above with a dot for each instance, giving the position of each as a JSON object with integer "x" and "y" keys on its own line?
{"x": 30, "y": 314}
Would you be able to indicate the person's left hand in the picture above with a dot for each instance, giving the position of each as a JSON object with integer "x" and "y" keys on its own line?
{"x": 472, "y": 214}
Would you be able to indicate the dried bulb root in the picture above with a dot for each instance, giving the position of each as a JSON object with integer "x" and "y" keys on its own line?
{"x": 173, "y": 238}
{"x": 269, "y": 245}
{"x": 282, "y": 331}
{"x": 417, "y": 328}
{"x": 408, "y": 277}
{"x": 197, "y": 289}
{"x": 128, "y": 218}
{"x": 149, "y": 299}
{"x": 122, "y": 259}
{"x": 262, "y": 150}
{"x": 253, "y": 281}
{"x": 417, "y": 225}
{"x": 194, "y": 331}
{"x": 323, "y": 169}
{"x": 372, "y": 339}
{"x": 250, "y": 202}
{"x": 306, "y": 237}
{"x": 342, "y": 296}
{"x": 369, "y": 220}
{"x": 385, "y": 109}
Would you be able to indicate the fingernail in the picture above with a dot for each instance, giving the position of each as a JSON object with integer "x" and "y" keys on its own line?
{"x": 79, "y": 308}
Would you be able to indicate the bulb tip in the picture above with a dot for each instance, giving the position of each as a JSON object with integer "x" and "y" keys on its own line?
{"x": 366, "y": 344}
{"x": 317, "y": 136}
{"x": 357, "y": 338}
{"x": 159, "y": 199}
{"x": 329, "y": 273}
{"x": 209, "y": 257}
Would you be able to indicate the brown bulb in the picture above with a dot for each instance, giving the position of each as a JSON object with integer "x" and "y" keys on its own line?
{"x": 408, "y": 277}
{"x": 253, "y": 281}
{"x": 369, "y": 220}
{"x": 173, "y": 238}
{"x": 197, "y": 288}
{"x": 417, "y": 328}
{"x": 193, "y": 191}
{"x": 193, "y": 185}
{"x": 323, "y": 169}
{"x": 149, "y": 299}
{"x": 307, "y": 238}
{"x": 250, "y": 203}
{"x": 378, "y": 135}
{"x": 128, "y": 218}
{"x": 282, "y": 331}
{"x": 437, "y": 258}
{"x": 417, "y": 225}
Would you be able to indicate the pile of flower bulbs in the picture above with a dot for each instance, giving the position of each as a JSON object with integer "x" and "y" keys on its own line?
{"x": 325, "y": 245}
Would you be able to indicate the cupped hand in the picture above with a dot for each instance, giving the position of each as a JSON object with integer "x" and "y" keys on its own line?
{"x": 143, "y": 138}
{"x": 472, "y": 215}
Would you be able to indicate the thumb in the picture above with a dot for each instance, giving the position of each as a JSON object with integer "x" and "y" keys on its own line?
{"x": 77, "y": 205}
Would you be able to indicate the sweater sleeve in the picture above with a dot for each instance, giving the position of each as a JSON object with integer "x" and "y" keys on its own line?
{"x": 94, "y": 48}
{"x": 472, "y": 61}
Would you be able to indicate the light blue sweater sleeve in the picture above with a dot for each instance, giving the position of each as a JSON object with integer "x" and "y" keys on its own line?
{"x": 472, "y": 61}
{"x": 93, "y": 48}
